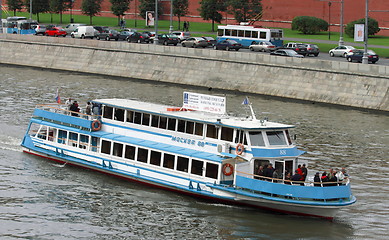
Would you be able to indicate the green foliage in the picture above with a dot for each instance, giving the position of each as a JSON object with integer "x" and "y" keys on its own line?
{"x": 372, "y": 26}
{"x": 119, "y": 7}
{"x": 210, "y": 10}
{"x": 59, "y": 6}
{"x": 91, "y": 8}
{"x": 15, "y": 5}
{"x": 309, "y": 25}
{"x": 244, "y": 10}
{"x": 180, "y": 9}
{"x": 148, "y": 5}
{"x": 38, "y": 6}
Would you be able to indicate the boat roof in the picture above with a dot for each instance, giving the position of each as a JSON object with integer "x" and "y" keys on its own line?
{"x": 200, "y": 116}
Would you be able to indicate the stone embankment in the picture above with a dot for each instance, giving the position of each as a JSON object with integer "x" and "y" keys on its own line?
{"x": 334, "y": 82}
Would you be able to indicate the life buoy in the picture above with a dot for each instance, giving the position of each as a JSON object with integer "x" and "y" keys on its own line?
{"x": 96, "y": 125}
{"x": 239, "y": 149}
{"x": 228, "y": 169}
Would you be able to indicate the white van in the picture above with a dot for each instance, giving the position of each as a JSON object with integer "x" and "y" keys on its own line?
{"x": 73, "y": 26}
{"x": 84, "y": 32}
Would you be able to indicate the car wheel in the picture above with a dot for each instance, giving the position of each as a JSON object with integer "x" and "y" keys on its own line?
{"x": 128, "y": 40}
{"x": 263, "y": 50}
{"x": 46, "y": 34}
{"x": 345, "y": 54}
{"x": 64, "y": 35}
{"x": 251, "y": 49}
{"x": 228, "y": 48}
{"x": 214, "y": 47}
{"x": 82, "y": 36}
{"x": 165, "y": 43}
{"x": 183, "y": 44}
{"x": 98, "y": 38}
{"x": 116, "y": 39}
{"x": 72, "y": 35}
{"x": 139, "y": 41}
{"x": 107, "y": 38}
{"x": 316, "y": 54}
{"x": 332, "y": 54}
{"x": 175, "y": 44}
{"x": 349, "y": 59}
{"x": 236, "y": 49}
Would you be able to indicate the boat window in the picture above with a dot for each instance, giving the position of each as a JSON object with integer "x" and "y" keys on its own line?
{"x": 181, "y": 125}
{"x": 212, "y": 131}
{"x": 137, "y": 117}
{"x": 276, "y": 137}
{"x": 199, "y": 129}
{"x": 73, "y": 139}
{"x": 33, "y": 129}
{"x": 189, "y": 127}
{"x": 130, "y": 152}
{"x": 118, "y": 149}
{"x": 62, "y": 136}
{"x": 130, "y": 116}
{"x": 119, "y": 114}
{"x": 84, "y": 141}
{"x": 182, "y": 164}
{"x": 107, "y": 112}
{"x": 105, "y": 147}
{"x": 146, "y": 119}
{"x": 142, "y": 155}
{"x": 155, "y": 158}
{"x": 42, "y": 133}
{"x": 162, "y": 122}
{"x": 288, "y": 137}
{"x": 95, "y": 141}
{"x": 227, "y": 134}
{"x": 256, "y": 139}
{"x": 171, "y": 124}
{"x": 241, "y": 137}
{"x": 197, "y": 167}
{"x": 51, "y": 134}
{"x": 168, "y": 161}
{"x": 154, "y": 120}
{"x": 211, "y": 170}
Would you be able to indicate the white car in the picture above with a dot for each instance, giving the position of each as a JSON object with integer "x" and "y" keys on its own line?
{"x": 341, "y": 51}
{"x": 264, "y": 46}
{"x": 181, "y": 35}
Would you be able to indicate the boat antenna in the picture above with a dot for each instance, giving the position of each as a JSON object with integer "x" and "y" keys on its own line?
{"x": 247, "y": 102}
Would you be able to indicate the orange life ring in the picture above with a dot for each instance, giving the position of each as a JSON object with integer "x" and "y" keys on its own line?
{"x": 239, "y": 149}
{"x": 96, "y": 125}
{"x": 228, "y": 169}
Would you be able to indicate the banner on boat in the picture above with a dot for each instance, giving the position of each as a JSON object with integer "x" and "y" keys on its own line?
{"x": 205, "y": 103}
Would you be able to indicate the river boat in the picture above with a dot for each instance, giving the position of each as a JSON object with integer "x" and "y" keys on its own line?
{"x": 195, "y": 149}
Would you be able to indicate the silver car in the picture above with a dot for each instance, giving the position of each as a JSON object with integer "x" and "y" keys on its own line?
{"x": 195, "y": 42}
{"x": 341, "y": 51}
{"x": 264, "y": 46}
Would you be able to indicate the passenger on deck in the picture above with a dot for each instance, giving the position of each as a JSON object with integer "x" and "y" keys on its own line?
{"x": 324, "y": 179}
{"x": 333, "y": 179}
{"x": 88, "y": 108}
{"x": 296, "y": 177}
{"x": 68, "y": 103}
{"x": 305, "y": 172}
{"x": 341, "y": 176}
{"x": 74, "y": 108}
{"x": 268, "y": 172}
{"x": 288, "y": 178}
{"x": 316, "y": 179}
{"x": 260, "y": 172}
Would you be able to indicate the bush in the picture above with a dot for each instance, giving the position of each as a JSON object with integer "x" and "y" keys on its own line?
{"x": 372, "y": 27}
{"x": 309, "y": 25}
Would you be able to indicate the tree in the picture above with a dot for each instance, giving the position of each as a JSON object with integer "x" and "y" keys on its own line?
{"x": 38, "y": 6}
{"x": 309, "y": 25}
{"x": 180, "y": 9}
{"x": 15, "y": 5}
{"x": 244, "y": 10}
{"x": 372, "y": 27}
{"x": 91, "y": 8}
{"x": 119, "y": 7}
{"x": 148, "y": 5}
{"x": 210, "y": 10}
{"x": 59, "y": 6}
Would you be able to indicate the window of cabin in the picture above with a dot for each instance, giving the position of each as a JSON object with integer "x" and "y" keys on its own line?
{"x": 62, "y": 136}
{"x": 212, "y": 131}
{"x": 189, "y": 127}
{"x": 117, "y": 149}
{"x": 197, "y": 167}
{"x": 84, "y": 141}
{"x": 130, "y": 116}
{"x": 171, "y": 124}
{"x": 137, "y": 117}
{"x": 73, "y": 139}
{"x": 162, "y": 122}
{"x": 142, "y": 155}
{"x": 107, "y": 112}
{"x": 182, "y": 164}
{"x": 227, "y": 134}
{"x": 94, "y": 143}
{"x": 154, "y": 120}
{"x": 254, "y": 34}
{"x": 181, "y": 125}
{"x": 129, "y": 152}
{"x": 106, "y": 147}
{"x": 42, "y": 132}
{"x": 199, "y": 129}
{"x": 276, "y": 137}
{"x": 240, "y": 137}
{"x": 119, "y": 114}
{"x": 50, "y": 136}
{"x": 211, "y": 170}
{"x": 168, "y": 161}
{"x": 146, "y": 119}
{"x": 256, "y": 138}
{"x": 155, "y": 158}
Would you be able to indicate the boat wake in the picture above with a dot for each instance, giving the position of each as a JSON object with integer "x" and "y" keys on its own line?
{"x": 10, "y": 143}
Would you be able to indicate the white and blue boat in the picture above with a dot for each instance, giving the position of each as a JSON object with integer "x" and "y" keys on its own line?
{"x": 196, "y": 149}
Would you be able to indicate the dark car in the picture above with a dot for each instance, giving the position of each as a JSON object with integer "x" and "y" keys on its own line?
{"x": 227, "y": 45}
{"x": 167, "y": 39}
{"x": 123, "y": 35}
{"x": 312, "y": 49}
{"x": 108, "y": 34}
{"x": 357, "y": 55}
{"x": 151, "y": 34}
{"x": 300, "y": 48}
{"x": 138, "y": 37}
{"x": 210, "y": 40}
{"x": 100, "y": 29}
{"x": 286, "y": 53}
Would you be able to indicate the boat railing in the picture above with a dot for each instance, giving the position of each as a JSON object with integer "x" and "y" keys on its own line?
{"x": 299, "y": 183}
{"x": 63, "y": 109}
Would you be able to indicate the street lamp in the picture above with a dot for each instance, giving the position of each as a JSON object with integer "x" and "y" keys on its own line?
{"x": 30, "y": 9}
{"x": 156, "y": 23}
{"x": 171, "y": 17}
{"x": 341, "y": 42}
{"x": 366, "y": 35}
{"x": 1, "y": 17}
{"x": 71, "y": 8}
{"x": 329, "y": 20}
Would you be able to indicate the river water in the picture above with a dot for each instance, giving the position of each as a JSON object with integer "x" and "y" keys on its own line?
{"x": 40, "y": 199}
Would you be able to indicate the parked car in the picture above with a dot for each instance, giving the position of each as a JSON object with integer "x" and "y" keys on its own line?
{"x": 108, "y": 34}
{"x": 286, "y": 53}
{"x": 181, "y": 35}
{"x": 357, "y": 55}
{"x": 300, "y": 48}
{"x": 138, "y": 37}
{"x": 151, "y": 34}
{"x": 55, "y": 31}
{"x": 100, "y": 29}
{"x": 84, "y": 32}
{"x": 194, "y": 42}
{"x": 167, "y": 39}
{"x": 264, "y": 46}
{"x": 73, "y": 26}
{"x": 123, "y": 35}
{"x": 312, "y": 49}
{"x": 210, "y": 40}
{"x": 341, "y": 51}
{"x": 227, "y": 45}
{"x": 40, "y": 30}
